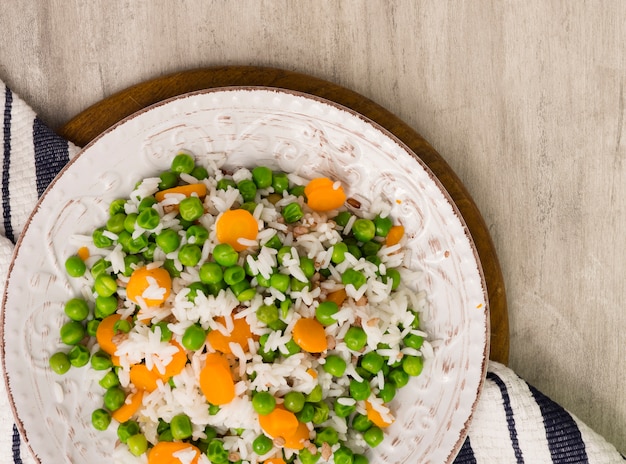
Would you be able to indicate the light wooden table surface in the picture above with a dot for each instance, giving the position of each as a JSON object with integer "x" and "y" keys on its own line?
{"x": 524, "y": 99}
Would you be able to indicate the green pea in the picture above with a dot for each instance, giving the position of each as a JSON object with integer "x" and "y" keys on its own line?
{"x": 394, "y": 275}
{"x": 122, "y": 326}
{"x": 216, "y": 452}
{"x": 200, "y": 173}
{"x": 359, "y": 390}
{"x": 72, "y": 332}
{"x": 59, "y": 362}
{"x": 344, "y": 410}
{"x": 361, "y": 423}
{"x": 280, "y": 282}
{"x": 285, "y": 305}
{"x": 372, "y": 362}
{"x": 294, "y": 401}
{"x": 105, "y": 306}
{"x": 398, "y": 377}
{"x": 210, "y": 273}
{"x": 99, "y": 239}
{"x": 364, "y": 229}
{"x": 373, "y": 436}
{"x": 262, "y": 176}
{"x": 210, "y": 433}
{"x": 297, "y": 191}
{"x": 117, "y": 206}
{"x": 148, "y": 219}
{"x": 76, "y": 309}
{"x": 100, "y": 419}
{"x": 181, "y": 428}
{"x": 315, "y": 395}
{"x": 413, "y": 341}
{"x": 194, "y": 337}
{"x": 280, "y": 182}
{"x": 321, "y": 412}
{"x": 105, "y": 285}
{"x": 224, "y": 183}
{"x": 268, "y": 356}
{"x": 197, "y": 235}
{"x": 371, "y": 248}
{"x": 166, "y": 435}
{"x": 343, "y": 455}
{"x": 115, "y": 223}
{"x": 225, "y": 255}
{"x": 356, "y": 278}
{"x": 213, "y": 409}
{"x": 283, "y": 253}
{"x": 92, "y": 327}
{"x": 298, "y": 285}
{"x": 335, "y": 365}
{"x": 355, "y": 251}
{"x": 306, "y": 413}
{"x": 355, "y": 338}
{"x": 109, "y": 380}
{"x": 388, "y": 392}
{"x": 383, "y": 225}
{"x": 182, "y": 163}
{"x": 129, "y": 222}
{"x": 127, "y": 430}
{"x": 191, "y": 208}
{"x": 189, "y": 255}
{"x": 325, "y": 312}
{"x": 137, "y": 444}
{"x": 216, "y": 288}
{"x": 168, "y": 240}
{"x": 137, "y": 245}
{"x": 292, "y": 212}
{"x": 169, "y": 179}
{"x": 99, "y": 267}
{"x": 263, "y": 282}
{"x": 267, "y": 313}
{"x": 234, "y": 274}
{"x": 146, "y": 203}
{"x": 308, "y": 266}
{"x": 78, "y": 356}
{"x": 263, "y": 403}
{"x": 114, "y": 398}
{"x": 249, "y": 206}
{"x": 413, "y": 365}
{"x": 291, "y": 346}
{"x": 342, "y": 218}
{"x": 262, "y": 445}
{"x": 101, "y": 361}
{"x": 75, "y": 267}
{"x": 360, "y": 459}
{"x": 247, "y": 189}
{"x": 166, "y": 333}
{"x": 326, "y": 435}
{"x": 338, "y": 255}
{"x": 274, "y": 242}
{"x": 194, "y": 289}
{"x": 243, "y": 291}
{"x": 170, "y": 266}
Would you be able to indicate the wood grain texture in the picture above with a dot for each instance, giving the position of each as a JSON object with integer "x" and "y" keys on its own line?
{"x": 524, "y": 101}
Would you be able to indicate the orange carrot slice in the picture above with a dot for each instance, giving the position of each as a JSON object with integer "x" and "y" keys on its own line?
{"x": 323, "y": 194}
{"x": 309, "y": 335}
{"x": 216, "y": 380}
{"x": 296, "y": 441}
{"x": 143, "y": 378}
{"x": 395, "y": 235}
{"x": 163, "y": 452}
{"x": 274, "y": 461}
{"x": 187, "y": 190}
{"x": 337, "y": 297}
{"x": 240, "y": 334}
{"x": 140, "y": 281}
{"x": 279, "y": 423}
{"x": 235, "y": 224}
{"x": 175, "y": 366}
{"x": 375, "y": 416}
{"x": 128, "y": 409}
{"x": 105, "y": 333}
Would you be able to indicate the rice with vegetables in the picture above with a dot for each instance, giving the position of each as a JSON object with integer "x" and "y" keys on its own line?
{"x": 250, "y": 316}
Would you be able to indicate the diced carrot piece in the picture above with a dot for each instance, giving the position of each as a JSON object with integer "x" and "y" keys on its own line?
{"x": 274, "y": 461}
{"x": 312, "y": 372}
{"x": 176, "y": 365}
{"x": 337, "y": 297}
{"x": 309, "y": 335}
{"x": 129, "y": 408}
{"x": 105, "y": 333}
{"x": 83, "y": 253}
{"x": 235, "y": 224}
{"x": 163, "y": 452}
{"x": 375, "y": 416}
{"x": 322, "y": 194}
{"x": 296, "y": 441}
{"x": 140, "y": 281}
{"x": 143, "y": 378}
{"x": 216, "y": 380}
{"x": 240, "y": 334}
{"x": 187, "y": 190}
{"x": 395, "y": 235}
{"x": 279, "y": 423}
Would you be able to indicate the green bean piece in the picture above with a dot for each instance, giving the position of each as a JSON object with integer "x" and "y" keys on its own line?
{"x": 191, "y": 208}
{"x": 114, "y": 398}
{"x": 224, "y": 183}
{"x": 372, "y": 362}
{"x": 129, "y": 222}
{"x": 373, "y": 436}
{"x": 361, "y": 423}
{"x": 292, "y": 212}
{"x": 75, "y": 267}
{"x": 166, "y": 333}
{"x": 360, "y": 391}
{"x": 148, "y": 219}
{"x": 168, "y": 240}
{"x": 338, "y": 255}
{"x": 146, "y": 203}
{"x": 137, "y": 444}
{"x": 363, "y": 229}
{"x": 182, "y": 163}
{"x": 72, "y": 332}
{"x": 321, "y": 412}
{"x": 263, "y": 402}
{"x": 262, "y": 444}
{"x": 234, "y": 274}
{"x": 356, "y": 278}
{"x": 355, "y": 338}
{"x": 99, "y": 239}
{"x": 398, "y": 377}
{"x": 343, "y": 455}
{"x": 194, "y": 337}
{"x": 92, "y": 327}
{"x": 267, "y": 313}
{"x": 101, "y": 361}
{"x": 325, "y": 312}
{"x": 284, "y": 307}
{"x": 181, "y": 428}
{"x": 189, "y": 255}
{"x": 59, "y": 362}
{"x": 194, "y": 289}
{"x": 216, "y": 452}
{"x": 127, "y": 430}
{"x": 197, "y": 235}
{"x": 100, "y": 419}
{"x": 225, "y": 255}
{"x": 76, "y": 309}
{"x": 274, "y": 242}
{"x": 78, "y": 356}
{"x": 109, "y": 380}
{"x": 280, "y": 182}
{"x": 247, "y": 189}
{"x": 117, "y": 206}
{"x": 105, "y": 306}
{"x": 280, "y": 282}
{"x": 210, "y": 273}
{"x": 413, "y": 365}
{"x": 335, "y": 365}
{"x": 294, "y": 401}
{"x": 344, "y": 410}
{"x": 200, "y": 173}
{"x": 262, "y": 176}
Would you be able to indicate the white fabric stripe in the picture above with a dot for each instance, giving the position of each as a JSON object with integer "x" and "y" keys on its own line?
{"x": 531, "y": 434}
{"x": 489, "y": 432}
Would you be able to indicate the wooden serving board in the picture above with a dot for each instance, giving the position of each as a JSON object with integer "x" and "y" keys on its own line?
{"x": 87, "y": 125}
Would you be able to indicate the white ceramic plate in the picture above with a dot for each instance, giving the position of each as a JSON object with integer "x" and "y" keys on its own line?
{"x": 248, "y": 126}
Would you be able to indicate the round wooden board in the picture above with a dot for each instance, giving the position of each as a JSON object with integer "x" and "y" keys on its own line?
{"x": 87, "y": 125}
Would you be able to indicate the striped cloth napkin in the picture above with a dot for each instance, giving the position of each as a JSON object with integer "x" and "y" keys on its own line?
{"x": 513, "y": 422}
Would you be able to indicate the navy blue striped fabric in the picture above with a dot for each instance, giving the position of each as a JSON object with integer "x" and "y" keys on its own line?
{"x": 466, "y": 454}
{"x": 17, "y": 458}
{"x": 6, "y": 166}
{"x": 564, "y": 438}
{"x": 51, "y": 154}
{"x": 510, "y": 419}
